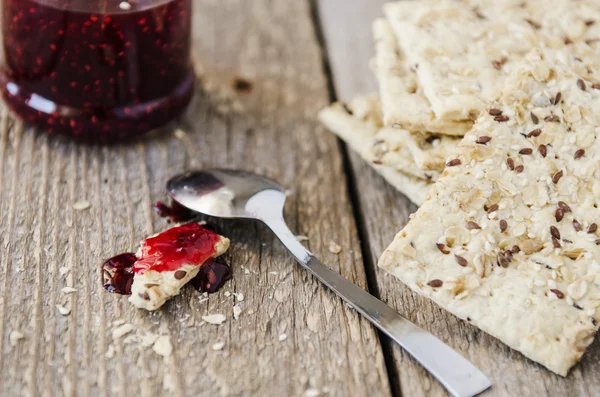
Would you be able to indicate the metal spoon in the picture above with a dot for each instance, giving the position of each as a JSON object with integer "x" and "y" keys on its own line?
{"x": 238, "y": 194}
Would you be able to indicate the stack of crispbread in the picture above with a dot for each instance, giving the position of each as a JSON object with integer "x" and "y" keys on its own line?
{"x": 438, "y": 62}
{"x": 507, "y": 237}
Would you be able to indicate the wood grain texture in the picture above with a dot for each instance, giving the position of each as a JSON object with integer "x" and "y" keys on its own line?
{"x": 46, "y": 245}
{"x": 383, "y": 212}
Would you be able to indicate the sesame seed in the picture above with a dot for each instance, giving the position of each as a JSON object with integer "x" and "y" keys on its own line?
{"x": 510, "y": 163}
{"x": 526, "y": 151}
{"x": 543, "y": 151}
{"x": 435, "y": 283}
{"x": 554, "y": 232}
{"x": 556, "y": 177}
{"x": 453, "y": 163}
{"x": 579, "y": 154}
{"x": 503, "y": 226}
{"x": 473, "y": 226}
{"x": 482, "y": 140}
{"x": 460, "y": 260}
{"x": 558, "y": 293}
{"x": 581, "y": 84}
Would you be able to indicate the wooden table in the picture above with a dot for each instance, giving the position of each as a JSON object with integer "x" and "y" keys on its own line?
{"x": 293, "y": 338}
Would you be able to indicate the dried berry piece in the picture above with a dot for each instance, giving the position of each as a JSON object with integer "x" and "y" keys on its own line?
{"x": 460, "y": 260}
{"x": 435, "y": 283}
{"x": 453, "y": 163}
{"x": 211, "y": 277}
{"x": 442, "y": 248}
{"x": 117, "y": 273}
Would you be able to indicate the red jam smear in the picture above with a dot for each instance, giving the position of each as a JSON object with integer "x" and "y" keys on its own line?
{"x": 117, "y": 273}
{"x": 175, "y": 211}
{"x": 94, "y": 70}
{"x": 211, "y": 277}
{"x": 173, "y": 248}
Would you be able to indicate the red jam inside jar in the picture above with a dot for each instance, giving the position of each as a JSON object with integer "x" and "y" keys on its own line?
{"x": 98, "y": 70}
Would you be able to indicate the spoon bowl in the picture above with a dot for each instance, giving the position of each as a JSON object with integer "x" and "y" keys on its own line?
{"x": 239, "y": 194}
{"x": 227, "y": 193}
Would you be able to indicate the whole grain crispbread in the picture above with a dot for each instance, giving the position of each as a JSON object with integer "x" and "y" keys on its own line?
{"x": 508, "y": 238}
{"x": 358, "y": 125}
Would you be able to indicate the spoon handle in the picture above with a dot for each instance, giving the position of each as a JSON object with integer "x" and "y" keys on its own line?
{"x": 455, "y": 373}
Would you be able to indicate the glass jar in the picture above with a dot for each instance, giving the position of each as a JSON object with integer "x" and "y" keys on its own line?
{"x": 99, "y": 70}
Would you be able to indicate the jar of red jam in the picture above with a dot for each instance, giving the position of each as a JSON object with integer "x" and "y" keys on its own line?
{"x": 99, "y": 70}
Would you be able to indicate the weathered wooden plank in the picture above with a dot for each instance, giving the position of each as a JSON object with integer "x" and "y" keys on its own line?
{"x": 47, "y": 245}
{"x": 384, "y": 212}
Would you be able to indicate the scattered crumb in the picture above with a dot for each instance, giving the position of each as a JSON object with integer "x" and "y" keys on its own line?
{"x": 131, "y": 338}
{"x": 227, "y": 294}
{"x": 122, "y": 331}
{"x": 81, "y": 205}
{"x": 162, "y": 346}
{"x": 250, "y": 311}
{"x": 125, "y": 5}
{"x": 239, "y": 297}
{"x": 216, "y": 319}
{"x": 118, "y": 322}
{"x": 325, "y": 389}
{"x": 274, "y": 273}
{"x": 282, "y": 337}
{"x": 68, "y": 290}
{"x": 237, "y": 311}
{"x": 218, "y": 346}
{"x": 148, "y": 339}
{"x": 242, "y": 85}
{"x": 63, "y": 270}
{"x": 334, "y": 248}
{"x": 63, "y": 310}
{"x": 311, "y": 392}
{"x": 15, "y": 336}
{"x": 301, "y": 238}
{"x": 180, "y": 134}
{"x": 246, "y": 271}
{"x": 110, "y": 352}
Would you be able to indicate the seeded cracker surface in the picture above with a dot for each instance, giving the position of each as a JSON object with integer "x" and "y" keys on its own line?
{"x": 508, "y": 236}
{"x": 403, "y": 104}
{"x": 151, "y": 289}
{"x": 462, "y": 51}
{"x": 358, "y": 126}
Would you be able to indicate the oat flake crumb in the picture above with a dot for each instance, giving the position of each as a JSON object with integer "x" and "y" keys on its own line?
{"x": 239, "y": 297}
{"x": 311, "y": 392}
{"x": 282, "y": 337}
{"x": 218, "y": 346}
{"x": 15, "y": 336}
{"x": 334, "y": 248}
{"x": 81, "y": 205}
{"x": 63, "y": 310}
{"x": 68, "y": 290}
{"x": 216, "y": 319}
{"x": 163, "y": 346}
{"x": 122, "y": 331}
